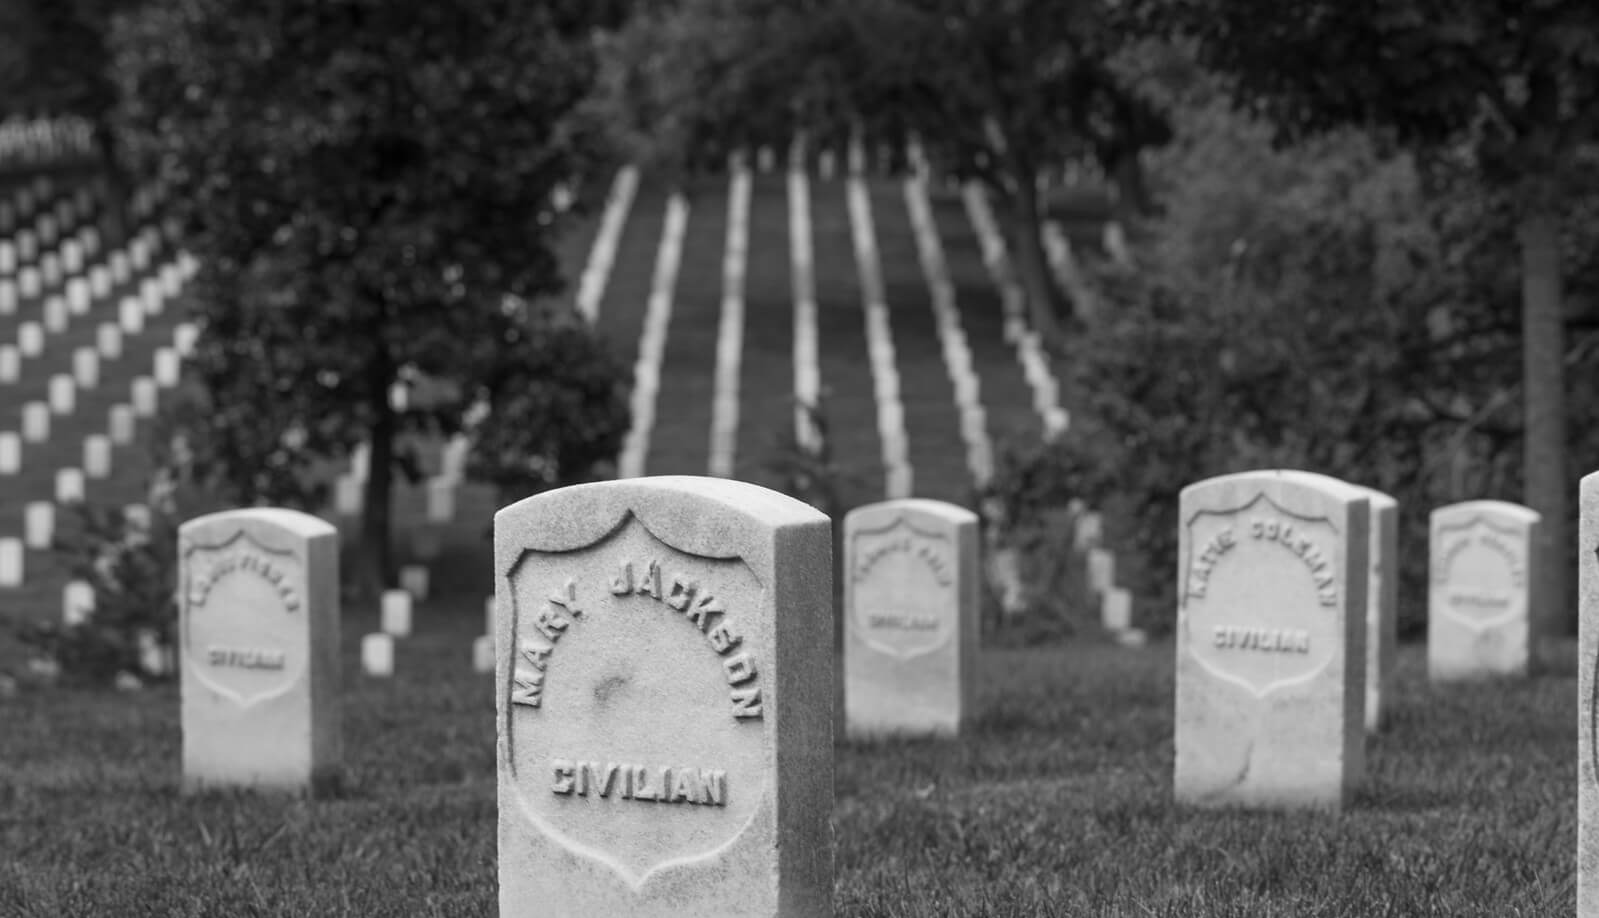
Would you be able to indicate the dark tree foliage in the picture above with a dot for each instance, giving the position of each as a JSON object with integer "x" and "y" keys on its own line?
{"x": 1512, "y": 86}
{"x": 996, "y": 91}
{"x": 367, "y": 186}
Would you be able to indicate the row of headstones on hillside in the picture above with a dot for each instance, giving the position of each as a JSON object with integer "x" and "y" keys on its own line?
{"x": 670, "y": 641}
{"x": 33, "y": 141}
{"x": 70, "y": 275}
{"x": 62, "y": 392}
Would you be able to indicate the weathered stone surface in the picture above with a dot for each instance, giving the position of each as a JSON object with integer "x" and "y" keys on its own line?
{"x": 910, "y": 618}
{"x": 1271, "y": 633}
{"x": 664, "y": 701}
{"x": 1382, "y": 607}
{"x": 259, "y": 640}
{"x": 1587, "y": 702}
{"x": 1480, "y": 596}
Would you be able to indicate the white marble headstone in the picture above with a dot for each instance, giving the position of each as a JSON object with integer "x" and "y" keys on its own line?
{"x": 1480, "y": 597}
{"x": 97, "y": 456}
{"x": 664, "y": 694}
{"x": 30, "y": 339}
{"x": 77, "y": 602}
{"x": 108, "y": 340}
{"x": 86, "y": 368}
{"x": 69, "y": 486}
{"x": 910, "y": 618}
{"x": 35, "y": 422}
{"x": 120, "y": 424}
{"x": 1587, "y": 702}
{"x": 10, "y": 452}
{"x": 1382, "y": 608}
{"x": 11, "y": 571}
{"x": 143, "y": 394}
{"x": 377, "y": 654}
{"x": 63, "y": 394}
{"x": 38, "y": 524}
{"x": 259, "y": 638}
{"x": 1271, "y": 640}
{"x": 395, "y": 613}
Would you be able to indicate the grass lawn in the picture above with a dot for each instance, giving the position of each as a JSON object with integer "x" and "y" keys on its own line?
{"x": 1057, "y": 803}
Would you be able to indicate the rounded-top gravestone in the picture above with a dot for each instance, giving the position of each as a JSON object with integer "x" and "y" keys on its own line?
{"x": 1481, "y": 596}
{"x": 1271, "y": 650}
{"x": 259, "y": 642}
{"x": 910, "y": 617}
{"x": 664, "y": 693}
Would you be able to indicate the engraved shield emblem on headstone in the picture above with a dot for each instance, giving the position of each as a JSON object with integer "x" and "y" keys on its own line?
{"x": 1480, "y": 567}
{"x": 243, "y": 638}
{"x": 633, "y": 694}
{"x": 1260, "y": 594}
{"x": 903, "y": 598}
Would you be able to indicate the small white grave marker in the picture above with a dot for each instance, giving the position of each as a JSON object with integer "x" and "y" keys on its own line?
{"x": 168, "y": 366}
{"x": 30, "y": 339}
{"x": 347, "y": 495}
{"x": 35, "y": 422}
{"x": 39, "y": 524}
{"x": 78, "y": 299}
{"x": 396, "y": 613}
{"x": 77, "y": 603}
{"x": 137, "y": 524}
{"x": 50, "y": 269}
{"x": 377, "y": 654}
{"x": 63, "y": 394}
{"x": 183, "y": 338}
{"x": 10, "y": 363}
{"x": 143, "y": 393}
{"x": 1101, "y": 570}
{"x": 108, "y": 340}
{"x": 69, "y": 486}
{"x": 86, "y": 368}
{"x": 10, "y": 453}
{"x": 910, "y": 618}
{"x": 99, "y": 282}
{"x": 1480, "y": 592}
{"x": 10, "y": 562}
{"x": 120, "y": 424}
{"x": 97, "y": 456}
{"x": 259, "y": 638}
{"x": 55, "y": 315}
{"x": 1088, "y": 531}
{"x": 483, "y": 654}
{"x": 1116, "y": 609}
{"x": 130, "y": 315}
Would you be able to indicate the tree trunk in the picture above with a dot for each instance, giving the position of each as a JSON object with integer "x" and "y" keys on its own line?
{"x": 1032, "y": 266}
{"x": 117, "y": 184}
{"x": 374, "y": 562}
{"x": 1544, "y": 444}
